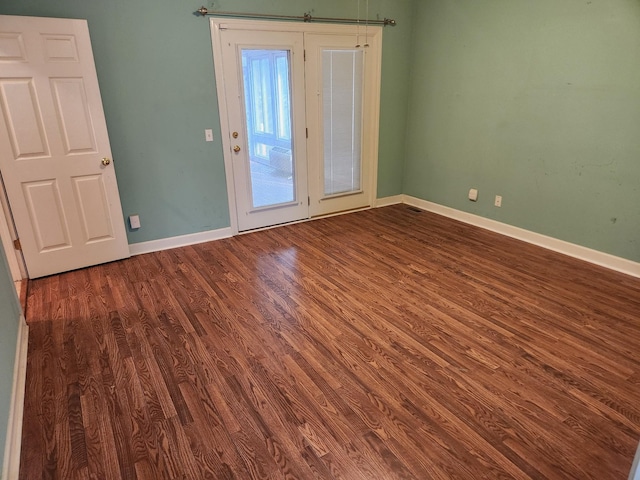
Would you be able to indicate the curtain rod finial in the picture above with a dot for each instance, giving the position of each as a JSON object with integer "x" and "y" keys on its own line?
{"x": 202, "y": 11}
{"x": 390, "y": 21}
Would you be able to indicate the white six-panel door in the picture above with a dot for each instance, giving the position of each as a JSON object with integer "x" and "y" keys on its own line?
{"x": 55, "y": 155}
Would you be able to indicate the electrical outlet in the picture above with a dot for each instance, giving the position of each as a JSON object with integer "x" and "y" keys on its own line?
{"x": 498, "y": 202}
{"x": 134, "y": 221}
{"x": 208, "y": 135}
{"x": 473, "y": 195}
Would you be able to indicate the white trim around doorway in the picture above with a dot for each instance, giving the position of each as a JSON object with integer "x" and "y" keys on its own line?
{"x": 219, "y": 24}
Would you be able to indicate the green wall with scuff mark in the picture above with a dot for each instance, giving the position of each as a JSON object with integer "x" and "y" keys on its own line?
{"x": 536, "y": 101}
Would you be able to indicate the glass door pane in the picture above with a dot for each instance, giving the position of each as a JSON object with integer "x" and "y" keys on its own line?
{"x": 342, "y": 88}
{"x": 267, "y": 101}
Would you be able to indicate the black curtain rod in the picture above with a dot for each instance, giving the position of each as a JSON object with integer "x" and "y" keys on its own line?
{"x": 305, "y": 18}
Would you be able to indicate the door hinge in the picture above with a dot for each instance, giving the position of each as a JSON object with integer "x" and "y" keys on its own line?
{"x": 308, "y": 201}
{"x": 304, "y": 55}
{"x": 307, "y": 132}
{"x": 17, "y": 245}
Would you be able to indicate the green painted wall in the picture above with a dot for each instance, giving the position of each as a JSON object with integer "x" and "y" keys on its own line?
{"x": 9, "y": 321}
{"x": 155, "y": 68}
{"x": 538, "y": 102}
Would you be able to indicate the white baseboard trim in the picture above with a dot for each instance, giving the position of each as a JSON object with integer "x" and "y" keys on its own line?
{"x": 602, "y": 259}
{"x": 11, "y": 463}
{"x": 386, "y": 201}
{"x": 180, "y": 241}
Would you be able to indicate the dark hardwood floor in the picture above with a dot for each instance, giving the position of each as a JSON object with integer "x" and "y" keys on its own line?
{"x": 381, "y": 344}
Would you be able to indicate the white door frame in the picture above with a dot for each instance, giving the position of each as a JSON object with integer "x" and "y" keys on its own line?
{"x": 14, "y": 257}
{"x": 220, "y": 23}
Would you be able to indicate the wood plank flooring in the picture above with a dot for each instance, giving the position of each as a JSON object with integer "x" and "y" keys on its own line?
{"x": 383, "y": 344}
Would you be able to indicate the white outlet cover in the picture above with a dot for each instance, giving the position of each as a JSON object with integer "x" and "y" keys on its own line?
{"x": 134, "y": 221}
{"x": 473, "y": 195}
{"x": 208, "y": 135}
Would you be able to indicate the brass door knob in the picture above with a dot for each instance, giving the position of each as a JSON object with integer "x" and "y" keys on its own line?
{"x": 234, "y": 134}
{"x": 106, "y": 161}
{"x": 236, "y": 148}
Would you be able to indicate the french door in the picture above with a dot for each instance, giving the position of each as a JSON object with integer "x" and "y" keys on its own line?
{"x": 264, "y": 89}
{"x": 299, "y": 115}
{"x": 341, "y": 106}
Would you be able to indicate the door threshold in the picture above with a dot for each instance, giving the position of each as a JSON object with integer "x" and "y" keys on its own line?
{"x": 303, "y": 220}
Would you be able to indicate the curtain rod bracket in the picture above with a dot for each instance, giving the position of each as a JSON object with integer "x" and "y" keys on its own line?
{"x": 204, "y": 11}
